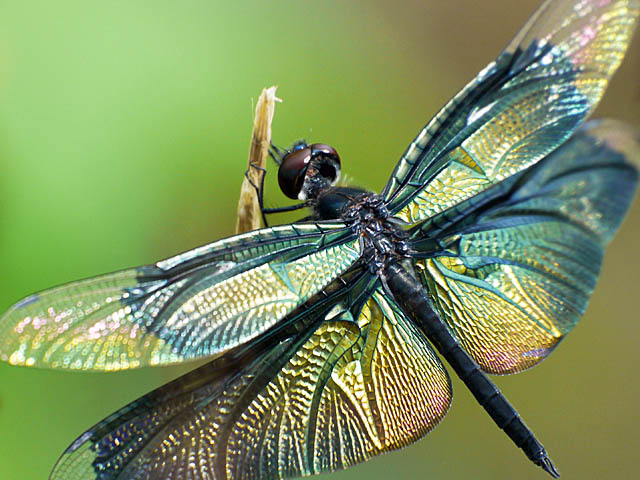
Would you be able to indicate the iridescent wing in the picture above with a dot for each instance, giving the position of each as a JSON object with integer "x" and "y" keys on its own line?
{"x": 197, "y": 304}
{"x": 514, "y": 278}
{"x": 519, "y": 109}
{"x": 298, "y": 403}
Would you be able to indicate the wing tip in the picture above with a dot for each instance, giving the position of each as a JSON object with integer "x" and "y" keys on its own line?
{"x": 617, "y": 136}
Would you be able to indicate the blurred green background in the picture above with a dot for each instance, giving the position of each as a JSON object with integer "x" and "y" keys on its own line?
{"x": 124, "y": 129}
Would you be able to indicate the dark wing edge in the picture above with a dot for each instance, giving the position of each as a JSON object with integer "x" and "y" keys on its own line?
{"x": 514, "y": 277}
{"x": 317, "y": 399}
{"x": 519, "y": 109}
{"x": 193, "y": 305}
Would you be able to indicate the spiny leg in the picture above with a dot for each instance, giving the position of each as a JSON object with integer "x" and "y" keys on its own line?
{"x": 259, "y": 189}
{"x": 276, "y": 154}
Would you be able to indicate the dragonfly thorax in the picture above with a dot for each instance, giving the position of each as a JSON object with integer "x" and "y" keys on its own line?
{"x": 381, "y": 239}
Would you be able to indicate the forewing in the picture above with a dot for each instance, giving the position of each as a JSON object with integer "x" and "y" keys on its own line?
{"x": 519, "y": 108}
{"x": 197, "y": 304}
{"x": 361, "y": 381}
{"x": 516, "y": 277}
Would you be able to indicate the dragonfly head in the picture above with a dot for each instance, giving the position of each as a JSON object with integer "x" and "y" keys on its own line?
{"x": 306, "y": 170}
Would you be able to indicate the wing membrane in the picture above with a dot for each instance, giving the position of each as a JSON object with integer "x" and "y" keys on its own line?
{"x": 319, "y": 401}
{"x": 519, "y": 274}
{"x": 200, "y": 303}
{"x": 518, "y": 110}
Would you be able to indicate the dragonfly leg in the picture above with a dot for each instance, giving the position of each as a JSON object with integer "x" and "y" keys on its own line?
{"x": 259, "y": 189}
{"x": 276, "y": 153}
{"x": 260, "y": 194}
{"x": 288, "y": 208}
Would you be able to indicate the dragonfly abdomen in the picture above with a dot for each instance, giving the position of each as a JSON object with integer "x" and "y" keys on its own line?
{"x": 413, "y": 299}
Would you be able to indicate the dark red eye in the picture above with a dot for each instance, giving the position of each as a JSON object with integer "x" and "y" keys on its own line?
{"x": 292, "y": 171}
{"x": 324, "y": 148}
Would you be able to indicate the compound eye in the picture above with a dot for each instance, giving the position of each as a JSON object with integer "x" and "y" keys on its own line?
{"x": 293, "y": 170}
{"x": 329, "y": 165}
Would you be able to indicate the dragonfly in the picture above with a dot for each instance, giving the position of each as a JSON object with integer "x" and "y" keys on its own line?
{"x": 324, "y": 337}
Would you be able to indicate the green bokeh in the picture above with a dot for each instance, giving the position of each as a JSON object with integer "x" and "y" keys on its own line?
{"x": 124, "y": 129}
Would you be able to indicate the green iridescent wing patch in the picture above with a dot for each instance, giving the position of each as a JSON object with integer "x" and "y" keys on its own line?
{"x": 519, "y": 275}
{"x": 318, "y": 401}
{"x": 519, "y": 108}
{"x": 197, "y": 304}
